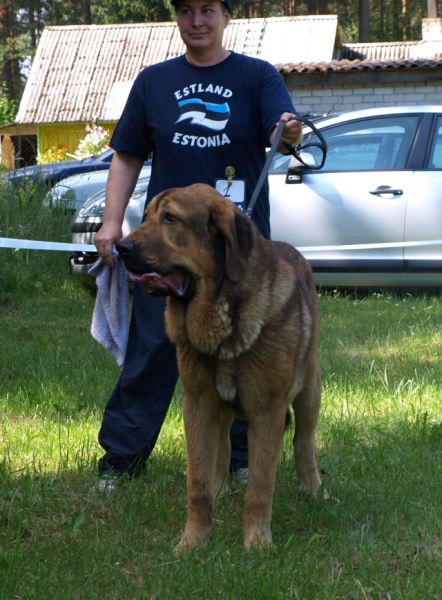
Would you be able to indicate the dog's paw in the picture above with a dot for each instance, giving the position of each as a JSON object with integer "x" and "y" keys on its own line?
{"x": 257, "y": 540}
{"x": 188, "y": 542}
{"x": 312, "y": 489}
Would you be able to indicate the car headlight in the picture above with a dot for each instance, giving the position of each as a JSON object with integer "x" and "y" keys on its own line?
{"x": 62, "y": 197}
{"x": 94, "y": 207}
{"x": 138, "y": 194}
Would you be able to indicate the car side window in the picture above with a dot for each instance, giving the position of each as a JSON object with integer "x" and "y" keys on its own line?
{"x": 280, "y": 163}
{"x": 436, "y": 150}
{"x": 380, "y": 143}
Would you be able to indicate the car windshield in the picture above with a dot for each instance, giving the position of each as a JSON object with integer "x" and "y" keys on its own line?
{"x": 105, "y": 156}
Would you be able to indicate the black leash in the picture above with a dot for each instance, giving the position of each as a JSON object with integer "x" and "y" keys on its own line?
{"x": 322, "y": 145}
{"x": 265, "y": 169}
{"x": 294, "y": 151}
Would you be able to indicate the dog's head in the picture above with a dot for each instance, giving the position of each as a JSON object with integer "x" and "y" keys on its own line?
{"x": 189, "y": 234}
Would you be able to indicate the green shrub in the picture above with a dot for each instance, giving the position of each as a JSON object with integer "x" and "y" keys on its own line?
{"x": 23, "y": 215}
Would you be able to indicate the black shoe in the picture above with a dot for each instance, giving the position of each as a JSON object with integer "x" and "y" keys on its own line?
{"x": 107, "y": 483}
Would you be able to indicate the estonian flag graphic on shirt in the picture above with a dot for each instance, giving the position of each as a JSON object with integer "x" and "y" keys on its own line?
{"x": 212, "y": 116}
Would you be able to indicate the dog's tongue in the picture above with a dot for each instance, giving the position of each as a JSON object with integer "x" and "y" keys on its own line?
{"x": 162, "y": 285}
{"x": 144, "y": 277}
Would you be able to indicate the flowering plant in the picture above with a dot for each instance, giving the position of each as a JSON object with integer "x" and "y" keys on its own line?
{"x": 95, "y": 142}
{"x": 53, "y": 154}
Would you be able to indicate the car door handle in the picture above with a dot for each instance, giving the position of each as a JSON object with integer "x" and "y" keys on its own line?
{"x": 386, "y": 189}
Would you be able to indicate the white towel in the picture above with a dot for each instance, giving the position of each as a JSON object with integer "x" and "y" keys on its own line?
{"x": 110, "y": 321}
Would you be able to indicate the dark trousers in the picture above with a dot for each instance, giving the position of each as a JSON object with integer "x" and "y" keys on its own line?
{"x": 138, "y": 405}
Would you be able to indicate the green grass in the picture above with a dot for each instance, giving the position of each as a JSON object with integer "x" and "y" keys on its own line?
{"x": 379, "y": 536}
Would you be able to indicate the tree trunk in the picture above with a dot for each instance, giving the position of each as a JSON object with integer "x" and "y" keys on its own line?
{"x": 364, "y": 20}
{"x": 381, "y": 20}
{"x": 10, "y": 67}
{"x": 432, "y": 8}
{"x": 86, "y": 12}
{"x": 404, "y": 19}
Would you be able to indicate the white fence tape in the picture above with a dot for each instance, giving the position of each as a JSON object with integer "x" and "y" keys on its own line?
{"x": 35, "y": 245}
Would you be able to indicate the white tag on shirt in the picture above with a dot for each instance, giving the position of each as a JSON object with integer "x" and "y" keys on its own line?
{"x": 236, "y": 191}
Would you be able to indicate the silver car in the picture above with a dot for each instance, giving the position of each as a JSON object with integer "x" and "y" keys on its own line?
{"x": 372, "y": 216}
{"x": 71, "y": 193}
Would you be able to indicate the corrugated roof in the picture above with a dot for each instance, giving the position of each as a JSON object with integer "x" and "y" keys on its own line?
{"x": 85, "y": 71}
{"x": 359, "y": 65}
{"x": 390, "y": 50}
{"x": 370, "y": 57}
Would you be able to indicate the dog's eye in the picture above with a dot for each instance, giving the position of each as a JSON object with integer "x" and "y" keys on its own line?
{"x": 169, "y": 218}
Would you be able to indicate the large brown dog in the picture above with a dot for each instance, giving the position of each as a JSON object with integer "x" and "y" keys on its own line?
{"x": 243, "y": 313}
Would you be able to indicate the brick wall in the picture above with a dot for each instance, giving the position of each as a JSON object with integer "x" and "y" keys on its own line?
{"x": 323, "y": 99}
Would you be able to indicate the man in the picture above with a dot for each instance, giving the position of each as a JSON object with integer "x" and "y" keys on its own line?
{"x": 198, "y": 114}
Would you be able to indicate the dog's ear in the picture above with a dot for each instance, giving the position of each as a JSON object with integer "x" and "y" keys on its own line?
{"x": 239, "y": 237}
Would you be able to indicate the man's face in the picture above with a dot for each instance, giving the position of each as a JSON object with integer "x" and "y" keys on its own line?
{"x": 202, "y": 23}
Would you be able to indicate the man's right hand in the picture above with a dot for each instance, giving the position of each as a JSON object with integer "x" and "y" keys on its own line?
{"x": 108, "y": 235}
{"x": 123, "y": 176}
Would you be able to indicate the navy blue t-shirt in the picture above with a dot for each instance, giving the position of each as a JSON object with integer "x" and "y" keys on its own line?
{"x": 199, "y": 120}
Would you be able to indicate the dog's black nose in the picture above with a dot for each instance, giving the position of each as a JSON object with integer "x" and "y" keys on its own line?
{"x": 124, "y": 247}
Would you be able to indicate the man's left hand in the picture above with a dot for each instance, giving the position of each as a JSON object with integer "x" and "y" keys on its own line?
{"x": 292, "y": 133}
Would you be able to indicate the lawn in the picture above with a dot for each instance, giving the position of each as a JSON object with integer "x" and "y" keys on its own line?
{"x": 379, "y": 536}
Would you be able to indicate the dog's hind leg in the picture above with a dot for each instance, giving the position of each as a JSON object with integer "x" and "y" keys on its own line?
{"x": 306, "y": 406}
{"x": 266, "y": 432}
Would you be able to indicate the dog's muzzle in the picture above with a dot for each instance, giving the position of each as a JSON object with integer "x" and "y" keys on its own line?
{"x": 177, "y": 282}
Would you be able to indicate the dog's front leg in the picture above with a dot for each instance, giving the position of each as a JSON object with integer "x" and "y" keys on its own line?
{"x": 222, "y": 451}
{"x": 265, "y": 440}
{"x": 202, "y": 429}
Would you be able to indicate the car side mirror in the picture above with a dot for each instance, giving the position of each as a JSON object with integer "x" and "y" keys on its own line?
{"x": 296, "y": 167}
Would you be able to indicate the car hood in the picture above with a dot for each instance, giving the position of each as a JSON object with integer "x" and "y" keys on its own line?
{"x": 43, "y": 170}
